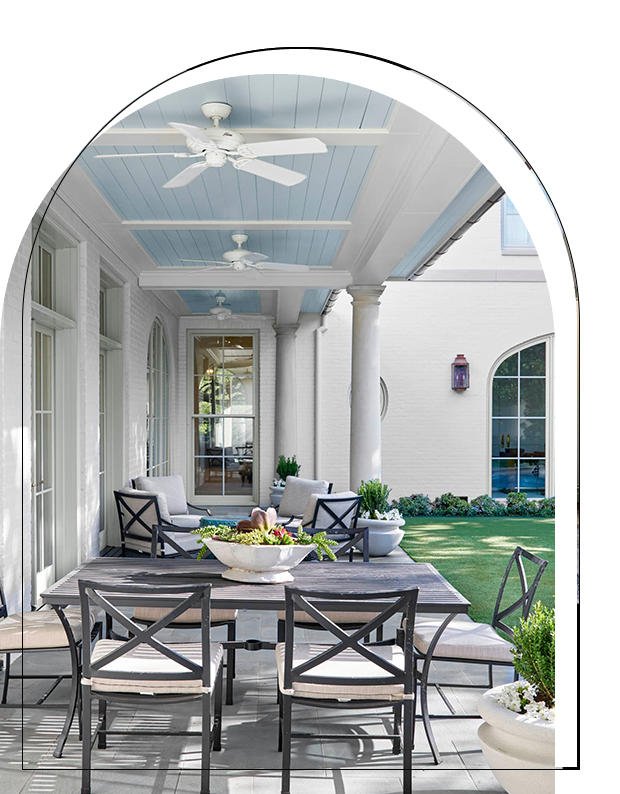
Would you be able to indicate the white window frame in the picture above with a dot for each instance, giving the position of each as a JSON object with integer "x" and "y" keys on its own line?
{"x": 535, "y": 246}
{"x": 211, "y": 499}
{"x": 549, "y": 398}
{"x": 156, "y": 383}
{"x": 510, "y": 249}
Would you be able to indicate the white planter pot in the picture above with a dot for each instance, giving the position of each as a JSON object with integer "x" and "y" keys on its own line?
{"x": 383, "y": 536}
{"x": 276, "y": 492}
{"x": 258, "y": 564}
{"x": 519, "y": 749}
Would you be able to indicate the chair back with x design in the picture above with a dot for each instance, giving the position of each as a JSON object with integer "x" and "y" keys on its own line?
{"x": 525, "y": 600}
{"x": 337, "y": 517}
{"x": 399, "y": 602}
{"x": 94, "y": 594}
{"x": 137, "y": 514}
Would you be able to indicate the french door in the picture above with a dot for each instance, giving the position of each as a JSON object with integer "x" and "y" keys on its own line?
{"x": 42, "y": 487}
{"x": 223, "y": 417}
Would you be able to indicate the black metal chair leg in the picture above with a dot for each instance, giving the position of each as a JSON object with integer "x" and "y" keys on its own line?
{"x": 206, "y": 743}
{"x": 396, "y": 743}
{"x": 102, "y": 739}
{"x": 408, "y": 746}
{"x": 86, "y": 741}
{"x": 490, "y": 676}
{"x": 280, "y": 717}
{"x": 76, "y": 674}
{"x": 217, "y": 708}
{"x": 232, "y": 635}
{"x": 230, "y": 664}
{"x": 287, "y": 707}
{"x": 7, "y": 673}
{"x": 280, "y": 638}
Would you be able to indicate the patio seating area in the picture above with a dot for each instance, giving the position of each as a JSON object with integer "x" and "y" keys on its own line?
{"x": 249, "y": 760}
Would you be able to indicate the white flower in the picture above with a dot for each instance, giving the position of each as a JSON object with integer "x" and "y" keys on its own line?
{"x": 390, "y": 515}
{"x": 520, "y": 697}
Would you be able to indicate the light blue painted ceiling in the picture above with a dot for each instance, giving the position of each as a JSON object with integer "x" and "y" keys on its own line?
{"x": 298, "y": 247}
{"x": 133, "y": 186}
{"x": 239, "y": 301}
{"x": 314, "y": 300}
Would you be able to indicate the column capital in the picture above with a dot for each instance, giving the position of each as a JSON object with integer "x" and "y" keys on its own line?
{"x": 285, "y": 329}
{"x": 366, "y": 293}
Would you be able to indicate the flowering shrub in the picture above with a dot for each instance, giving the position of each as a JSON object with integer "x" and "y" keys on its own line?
{"x": 389, "y": 515}
{"x": 261, "y": 530}
{"x": 522, "y": 698}
{"x": 375, "y": 503}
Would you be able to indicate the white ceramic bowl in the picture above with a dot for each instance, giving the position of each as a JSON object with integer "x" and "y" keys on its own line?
{"x": 258, "y": 564}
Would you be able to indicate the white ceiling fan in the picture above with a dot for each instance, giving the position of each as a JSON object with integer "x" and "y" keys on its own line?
{"x": 240, "y": 259}
{"x": 222, "y": 311}
{"x": 217, "y": 145}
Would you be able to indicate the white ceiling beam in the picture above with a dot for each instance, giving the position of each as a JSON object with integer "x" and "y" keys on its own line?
{"x": 268, "y": 303}
{"x": 180, "y": 278}
{"x": 289, "y": 305}
{"x": 238, "y": 225}
{"x": 168, "y": 136}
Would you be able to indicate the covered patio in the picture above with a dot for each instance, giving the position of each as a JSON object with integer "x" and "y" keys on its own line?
{"x": 209, "y": 327}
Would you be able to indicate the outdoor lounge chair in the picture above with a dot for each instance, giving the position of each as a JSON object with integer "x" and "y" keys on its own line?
{"x": 139, "y": 511}
{"x": 348, "y": 674}
{"x": 295, "y": 497}
{"x": 145, "y": 669}
{"x": 37, "y": 632}
{"x": 464, "y": 640}
{"x": 182, "y": 513}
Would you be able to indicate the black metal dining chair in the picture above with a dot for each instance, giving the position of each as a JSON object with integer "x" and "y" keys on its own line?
{"x": 143, "y": 668}
{"x": 348, "y": 674}
{"x": 42, "y": 631}
{"x": 460, "y": 639}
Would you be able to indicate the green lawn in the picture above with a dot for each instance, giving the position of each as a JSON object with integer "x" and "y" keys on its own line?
{"x": 472, "y": 553}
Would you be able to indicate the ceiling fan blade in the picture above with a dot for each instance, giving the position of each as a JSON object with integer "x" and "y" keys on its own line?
{"x": 195, "y": 134}
{"x": 287, "y": 146}
{"x": 285, "y": 267}
{"x": 284, "y": 176}
{"x": 147, "y": 154}
{"x": 253, "y": 257}
{"x": 187, "y": 175}
{"x": 207, "y": 261}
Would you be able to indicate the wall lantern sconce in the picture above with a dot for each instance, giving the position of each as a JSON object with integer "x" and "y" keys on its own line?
{"x": 460, "y": 373}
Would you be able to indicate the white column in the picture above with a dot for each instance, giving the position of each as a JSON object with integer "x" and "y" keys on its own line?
{"x": 365, "y": 455}
{"x": 286, "y": 390}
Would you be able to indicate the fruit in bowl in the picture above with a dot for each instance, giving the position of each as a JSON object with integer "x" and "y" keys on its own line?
{"x": 260, "y": 551}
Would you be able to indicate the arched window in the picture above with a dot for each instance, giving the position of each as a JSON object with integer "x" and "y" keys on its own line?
{"x": 520, "y": 414}
{"x": 157, "y": 446}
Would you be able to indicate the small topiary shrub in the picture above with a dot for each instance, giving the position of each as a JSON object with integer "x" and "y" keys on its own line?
{"x": 415, "y": 505}
{"x": 374, "y": 498}
{"x": 534, "y": 654}
{"x": 287, "y": 467}
{"x": 450, "y": 505}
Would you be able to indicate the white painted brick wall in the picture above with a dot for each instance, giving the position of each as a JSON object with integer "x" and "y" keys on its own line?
{"x": 433, "y": 439}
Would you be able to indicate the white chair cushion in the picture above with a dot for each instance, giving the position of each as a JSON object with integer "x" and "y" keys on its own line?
{"x": 186, "y": 540}
{"x": 296, "y": 494}
{"x": 41, "y": 629}
{"x": 150, "y": 515}
{"x": 462, "y": 639}
{"x": 323, "y": 518}
{"x": 335, "y": 617}
{"x": 291, "y": 523}
{"x": 172, "y": 486}
{"x": 145, "y": 659}
{"x": 347, "y": 664}
{"x": 189, "y": 616}
{"x": 185, "y": 520}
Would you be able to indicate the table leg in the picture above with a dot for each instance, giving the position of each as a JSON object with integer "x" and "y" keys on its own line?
{"x": 424, "y": 688}
{"x": 75, "y": 681}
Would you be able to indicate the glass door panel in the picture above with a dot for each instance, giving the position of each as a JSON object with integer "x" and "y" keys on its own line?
{"x": 43, "y": 519}
{"x": 223, "y": 405}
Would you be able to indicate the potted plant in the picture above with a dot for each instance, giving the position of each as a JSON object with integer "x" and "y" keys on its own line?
{"x": 260, "y": 551}
{"x": 518, "y": 732}
{"x": 287, "y": 467}
{"x": 384, "y": 523}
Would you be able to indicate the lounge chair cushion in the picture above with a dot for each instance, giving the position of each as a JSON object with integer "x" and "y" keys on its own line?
{"x": 145, "y": 659}
{"x": 172, "y": 486}
{"x": 186, "y": 540}
{"x": 186, "y": 520}
{"x": 296, "y": 494}
{"x": 462, "y": 639}
{"x": 41, "y": 629}
{"x": 346, "y": 665}
{"x": 150, "y": 515}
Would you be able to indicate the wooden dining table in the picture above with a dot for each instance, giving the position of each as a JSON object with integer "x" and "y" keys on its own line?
{"x": 436, "y": 595}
